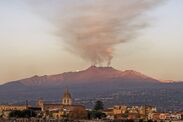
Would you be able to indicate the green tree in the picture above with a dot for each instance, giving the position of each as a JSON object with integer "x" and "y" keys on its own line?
{"x": 97, "y": 111}
{"x": 96, "y": 114}
{"x": 28, "y": 113}
{"x": 99, "y": 105}
{"x": 22, "y": 114}
{"x": 15, "y": 113}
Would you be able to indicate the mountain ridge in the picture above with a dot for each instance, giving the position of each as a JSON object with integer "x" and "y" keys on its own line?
{"x": 90, "y": 74}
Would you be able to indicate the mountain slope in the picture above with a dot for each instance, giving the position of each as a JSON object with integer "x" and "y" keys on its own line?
{"x": 89, "y": 76}
{"x": 106, "y": 83}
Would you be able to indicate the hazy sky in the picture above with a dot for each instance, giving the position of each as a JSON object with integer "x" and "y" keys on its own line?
{"x": 28, "y": 47}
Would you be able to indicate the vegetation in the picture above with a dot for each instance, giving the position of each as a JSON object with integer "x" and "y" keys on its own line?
{"x": 97, "y": 113}
{"x": 98, "y": 105}
{"x": 22, "y": 114}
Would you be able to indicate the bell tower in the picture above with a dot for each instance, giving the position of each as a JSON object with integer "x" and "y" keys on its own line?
{"x": 67, "y": 99}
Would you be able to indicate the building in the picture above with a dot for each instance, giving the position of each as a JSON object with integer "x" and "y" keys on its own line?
{"x": 109, "y": 113}
{"x": 67, "y": 99}
{"x": 6, "y": 109}
{"x": 119, "y": 109}
{"x": 166, "y": 116}
{"x": 65, "y": 108}
{"x": 13, "y": 107}
{"x": 130, "y": 112}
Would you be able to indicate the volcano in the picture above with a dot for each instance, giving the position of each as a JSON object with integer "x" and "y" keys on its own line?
{"x": 91, "y": 75}
{"x": 93, "y": 82}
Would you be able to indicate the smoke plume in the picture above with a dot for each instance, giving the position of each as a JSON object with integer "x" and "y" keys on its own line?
{"x": 92, "y": 28}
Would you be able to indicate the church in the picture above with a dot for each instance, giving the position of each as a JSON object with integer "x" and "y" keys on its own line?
{"x": 65, "y": 108}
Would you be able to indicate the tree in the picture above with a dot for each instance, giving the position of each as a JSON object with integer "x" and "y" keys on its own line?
{"x": 22, "y": 114}
{"x": 28, "y": 113}
{"x": 99, "y": 105}
{"x": 15, "y": 113}
{"x": 96, "y": 114}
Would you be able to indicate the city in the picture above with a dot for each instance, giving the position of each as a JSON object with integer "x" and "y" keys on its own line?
{"x": 66, "y": 110}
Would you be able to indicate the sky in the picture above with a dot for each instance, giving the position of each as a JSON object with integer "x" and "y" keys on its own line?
{"x": 28, "y": 47}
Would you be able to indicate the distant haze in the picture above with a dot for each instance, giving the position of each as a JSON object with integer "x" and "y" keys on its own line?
{"x": 50, "y": 37}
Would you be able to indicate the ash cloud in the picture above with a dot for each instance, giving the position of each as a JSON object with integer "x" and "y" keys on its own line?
{"x": 92, "y": 28}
